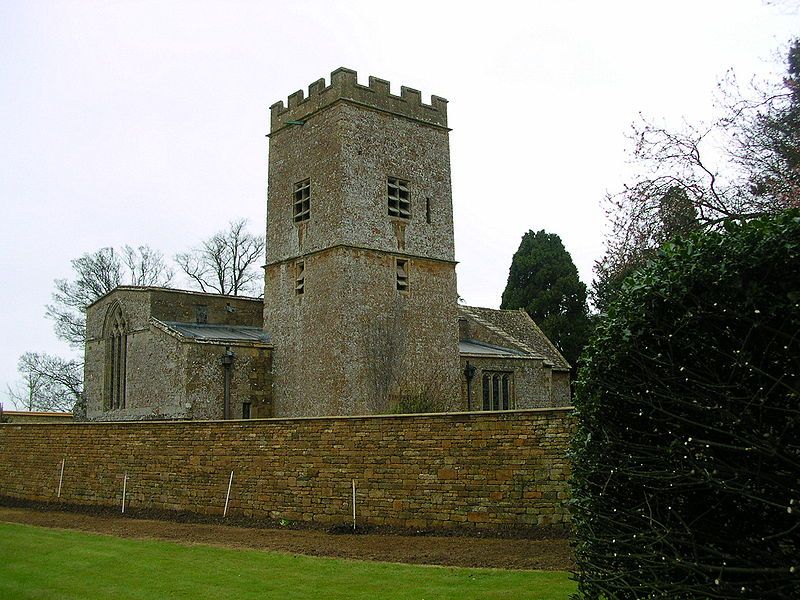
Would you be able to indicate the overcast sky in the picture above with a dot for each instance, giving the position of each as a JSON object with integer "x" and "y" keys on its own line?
{"x": 143, "y": 122}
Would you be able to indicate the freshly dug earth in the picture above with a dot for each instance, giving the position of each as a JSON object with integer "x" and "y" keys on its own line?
{"x": 461, "y": 551}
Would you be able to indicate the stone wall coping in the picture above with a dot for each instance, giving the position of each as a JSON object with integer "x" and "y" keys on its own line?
{"x": 27, "y": 413}
{"x": 150, "y": 288}
{"x": 456, "y": 416}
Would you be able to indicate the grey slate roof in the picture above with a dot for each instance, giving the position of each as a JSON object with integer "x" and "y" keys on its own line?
{"x": 219, "y": 333}
{"x": 475, "y": 347}
{"x": 519, "y": 330}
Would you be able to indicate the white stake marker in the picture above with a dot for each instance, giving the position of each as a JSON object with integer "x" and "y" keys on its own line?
{"x": 124, "y": 490}
{"x": 354, "y": 504}
{"x": 227, "y": 497}
{"x": 61, "y": 477}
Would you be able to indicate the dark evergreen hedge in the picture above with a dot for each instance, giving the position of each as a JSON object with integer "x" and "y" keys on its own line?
{"x": 686, "y": 464}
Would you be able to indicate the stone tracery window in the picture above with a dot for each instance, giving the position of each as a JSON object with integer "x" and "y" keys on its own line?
{"x": 498, "y": 390}
{"x": 116, "y": 357}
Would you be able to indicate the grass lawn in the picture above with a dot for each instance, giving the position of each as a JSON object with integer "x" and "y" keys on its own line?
{"x": 37, "y": 563}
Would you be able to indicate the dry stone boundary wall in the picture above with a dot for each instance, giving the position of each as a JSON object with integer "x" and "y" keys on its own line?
{"x": 462, "y": 470}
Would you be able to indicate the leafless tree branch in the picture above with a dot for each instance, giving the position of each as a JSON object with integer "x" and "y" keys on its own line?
{"x": 49, "y": 383}
{"x": 226, "y": 263}
{"x": 95, "y": 275}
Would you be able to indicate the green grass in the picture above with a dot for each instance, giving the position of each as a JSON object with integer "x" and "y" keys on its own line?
{"x": 37, "y": 563}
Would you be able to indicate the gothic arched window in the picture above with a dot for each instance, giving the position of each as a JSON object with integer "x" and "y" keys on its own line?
{"x": 116, "y": 357}
{"x": 498, "y": 390}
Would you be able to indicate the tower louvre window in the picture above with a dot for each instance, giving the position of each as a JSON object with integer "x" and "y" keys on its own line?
{"x": 399, "y": 204}
{"x": 402, "y": 275}
{"x": 300, "y": 278}
{"x": 302, "y": 200}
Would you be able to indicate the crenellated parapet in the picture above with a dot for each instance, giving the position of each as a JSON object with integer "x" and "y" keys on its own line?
{"x": 344, "y": 86}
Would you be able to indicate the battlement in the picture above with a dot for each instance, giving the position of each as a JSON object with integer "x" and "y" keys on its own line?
{"x": 344, "y": 85}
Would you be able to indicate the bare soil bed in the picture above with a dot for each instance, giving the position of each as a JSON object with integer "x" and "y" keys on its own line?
{"x": 509, "y": 552}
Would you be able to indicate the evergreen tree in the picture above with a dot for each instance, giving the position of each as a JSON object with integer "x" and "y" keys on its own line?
{"x": 544, "y": 281}
{"x": 773, "y": 144}
{"x": 685, "y": 471}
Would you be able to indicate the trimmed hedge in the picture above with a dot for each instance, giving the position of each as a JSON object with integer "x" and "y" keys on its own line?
{"x": 686, "y": 463}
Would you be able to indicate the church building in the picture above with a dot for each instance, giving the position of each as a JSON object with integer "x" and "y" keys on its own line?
{"x": 360, "y": 312}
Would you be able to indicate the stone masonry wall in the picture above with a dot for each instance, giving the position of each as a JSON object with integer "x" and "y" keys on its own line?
{"x": 156, "y": 367}
{"x": 561, "y": 394}
{"x": 14, "y": 416}
{"x": 459, "y": 470}
{"x": 352, "y": 340}
{"x": 251, "y": 381}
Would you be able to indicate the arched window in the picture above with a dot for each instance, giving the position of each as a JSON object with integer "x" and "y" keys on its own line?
{"x": 498, "y": 390}
{"x": 116, "y": 357}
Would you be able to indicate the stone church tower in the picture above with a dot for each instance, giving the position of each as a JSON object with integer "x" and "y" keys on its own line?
{"x": 360, "y": 294}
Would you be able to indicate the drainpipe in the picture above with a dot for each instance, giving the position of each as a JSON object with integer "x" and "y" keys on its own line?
{"x": 469, "y": 373}
{"x": 227, "y": 363}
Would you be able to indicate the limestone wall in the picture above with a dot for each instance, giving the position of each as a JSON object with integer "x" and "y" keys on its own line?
{"x": 352, "y": 341}
{"x": 251, "y": 381}
{"x": 348, "y": 152}
{"x": 156, "y": 372}
{"x": 561, "y": 389}
{"x": 180, "y": 305}
{"x": 425, "y": 471}
{"x": 376, "y": 145}
{"x": 20, "y": 416}
{"x": 313, "y": 152}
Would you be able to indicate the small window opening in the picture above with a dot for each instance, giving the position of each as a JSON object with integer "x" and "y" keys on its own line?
{"x": 245, "y": 410}
{"x": 302, "y": 201}
{"x": 428, "y": 211}
{"x": 399, "y": 204}
{"x": 200, "y": 313}
{"x": 402, "y": 275}
{"x": 300, "y": 278}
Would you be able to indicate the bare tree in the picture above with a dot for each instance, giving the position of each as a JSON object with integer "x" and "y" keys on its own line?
{"x": 743, "y": 165}
{"x": 95, "y": 275}
{"x": 227, "y": 262}
{"x": 146, "y": 266}
{"x": 49, "y": 383}
{"x": 637, "y": 238}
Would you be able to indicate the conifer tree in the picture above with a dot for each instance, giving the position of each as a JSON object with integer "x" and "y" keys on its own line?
{"x": 544, "y": 281}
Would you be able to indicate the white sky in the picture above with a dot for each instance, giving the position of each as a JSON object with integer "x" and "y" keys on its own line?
{"x": 144, "y": 122}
